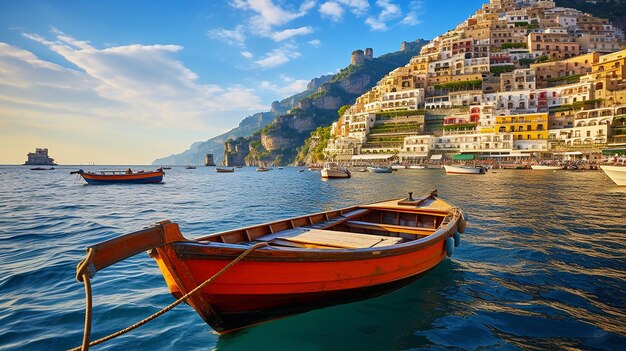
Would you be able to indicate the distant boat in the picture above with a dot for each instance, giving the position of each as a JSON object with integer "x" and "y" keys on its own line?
{"x": 121, "y": 177}
{"x": 380, "y": 169}
{"x": 262, "y": 169}
{"x": 293, "y": 265}
{"x": 166, "y": 167}
{"x": 398, "y": 166}
{"x": 417, "y": 167}
{"x": 545, "y": 167}
{"x": 190, "y": 167}
{"x": 360, "y": 169}
{"x": 280, "y": 167}
{"x": 301, "y": 170}
{"x": 332, "y": 170}
{"x": 464, "y": 170}
{"x": 42, "y": 169}
{"x": 224, "y": 170}
{"x": 616, "y": 173}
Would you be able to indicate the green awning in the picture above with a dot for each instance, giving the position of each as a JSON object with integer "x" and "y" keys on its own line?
{"x": 463, "y": 157}
{"x": 618, "y": 151}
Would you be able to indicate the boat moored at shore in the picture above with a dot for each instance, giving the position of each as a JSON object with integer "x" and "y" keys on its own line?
{"x": 224, "y": 169}
{"x": 332, "y": 170}
{"x": 380, "y": 169}
{"x": 464, "y": 170}
{"x": 616, "y": 173}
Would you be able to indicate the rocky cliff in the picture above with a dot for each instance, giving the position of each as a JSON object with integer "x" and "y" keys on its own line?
{"x": 279, "y": 141}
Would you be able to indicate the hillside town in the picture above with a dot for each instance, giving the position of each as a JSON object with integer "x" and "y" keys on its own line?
{"x": 518, "y": 80}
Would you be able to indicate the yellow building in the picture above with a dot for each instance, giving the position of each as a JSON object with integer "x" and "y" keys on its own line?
{"x": 533, "y": 126}
{"x": 609, "y": 76}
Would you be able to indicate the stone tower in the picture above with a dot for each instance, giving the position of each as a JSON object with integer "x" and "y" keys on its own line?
{"x": 208, "y": 160}
{"x": 358, "y": 57}
{"x": 369, "y": 54}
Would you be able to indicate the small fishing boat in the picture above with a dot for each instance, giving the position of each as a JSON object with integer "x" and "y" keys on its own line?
{"x": 224, "y": 170}
{"x": 190, "y": 167}
{"x": 166, "y": 167}
{"x": 301, "y": 170}
{"x": 417, "y": 167}
{"x": 616, "y": 173}
{"x": 396, "y": 167}
{"x": 121, "y": 177}
{"x": 464, "y": 170}
{"x": 332, "y": 170}
{"x": 42, "y": 169}
{"x": 545, "y": 167}
{"x": 380, "y": 169}
{"x": 262, "y": 169}
{"x": 238, "y": 278}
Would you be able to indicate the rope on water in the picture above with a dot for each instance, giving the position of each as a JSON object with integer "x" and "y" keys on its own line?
{"x": 83, "y": 271}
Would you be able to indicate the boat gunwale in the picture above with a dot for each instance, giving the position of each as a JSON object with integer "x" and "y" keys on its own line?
{"x": 201, "y": 248}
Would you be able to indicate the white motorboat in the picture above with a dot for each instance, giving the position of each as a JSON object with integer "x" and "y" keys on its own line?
{"x": 464, "y": 170}
{"x": 332, "y": 170}
{"x": 417, "y": 167}
{"x": 616, "y": 173}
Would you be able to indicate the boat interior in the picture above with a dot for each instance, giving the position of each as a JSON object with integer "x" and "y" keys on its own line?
{"x": 377, "y": 225}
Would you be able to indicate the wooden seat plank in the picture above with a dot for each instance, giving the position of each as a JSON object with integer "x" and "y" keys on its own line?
{"x": 390, "y": 228}
{"x": 331, "y": 238}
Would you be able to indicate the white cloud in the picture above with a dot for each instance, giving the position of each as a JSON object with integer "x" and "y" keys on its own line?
{"x": 375, "y": 24}
{"x": 389, "y": 11}
{"x": 357, "y": 7}
{"x": 315, "y": 43}
{"x": 278, "y": 57}
{"x": 289, "y": 86}
{"x": 269, "y": 14}
{"x": 235, "y": 37}
{"x": 247, "y": 54}
{"x": 411, "y": 18}
{"x": 143, "y": 84}
{"x": 332, "y": 10}
{"x": 290, "y": 33}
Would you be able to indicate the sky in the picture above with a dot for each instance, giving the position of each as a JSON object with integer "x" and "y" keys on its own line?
{"x": 126, "y": 82}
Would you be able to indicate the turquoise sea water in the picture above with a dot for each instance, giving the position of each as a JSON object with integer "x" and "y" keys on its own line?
{"x": 541, "y": 266}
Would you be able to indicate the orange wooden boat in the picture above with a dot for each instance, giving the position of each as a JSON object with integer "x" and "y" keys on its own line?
{"x": 306, "y": 262}
{"x": 121, "y": 177}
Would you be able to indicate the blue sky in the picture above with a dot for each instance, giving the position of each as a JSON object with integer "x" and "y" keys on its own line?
{"x": 125, "y": 82}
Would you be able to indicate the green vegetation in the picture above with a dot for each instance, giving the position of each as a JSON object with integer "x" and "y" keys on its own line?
{"x": 498, "y": 70}
{"x": 525, "y": 62}
{"x": 577, "y": 105}
{"x": 396, "y": 128}
{"x": 389, "y": 114}
{"x": 513, "y": 45}
{"x": 459, "y": 126}
{"x": 461, "y": 85}
{"x": 565, "y": 79}
{"x": 314, "y": 146}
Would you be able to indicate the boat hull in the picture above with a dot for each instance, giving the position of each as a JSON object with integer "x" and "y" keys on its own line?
{"x": 464, "y": 170}
{"x": 616, "y": 173}
{"x": 334, "y": 173}
{"x": 135, "y": 178}
{"x": 380, "y": 169}
{"x": 270, "y": 285}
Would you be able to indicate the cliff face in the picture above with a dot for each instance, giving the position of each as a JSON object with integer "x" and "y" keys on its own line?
{"x": 279, "y": 142}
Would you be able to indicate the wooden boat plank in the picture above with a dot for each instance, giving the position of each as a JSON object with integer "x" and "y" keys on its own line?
{"x": 332, "y": 238}
{"x": 390, "y": 228}
{"x": 340, "y": 219}
{"x": 431, "y": 205}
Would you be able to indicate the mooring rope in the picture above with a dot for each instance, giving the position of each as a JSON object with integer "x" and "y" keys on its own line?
{"x": 82, "y": 271}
